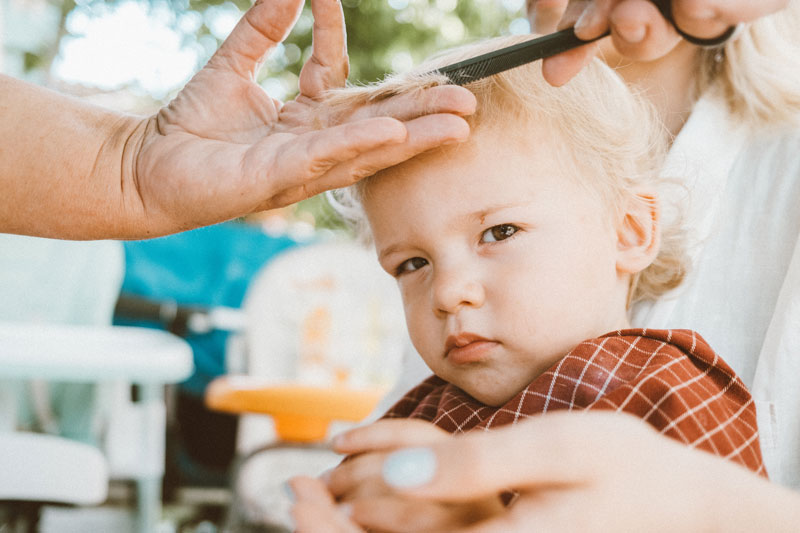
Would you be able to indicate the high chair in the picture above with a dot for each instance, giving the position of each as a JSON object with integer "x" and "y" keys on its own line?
{"x": 323, "y": 343}
{"x": 57, "y": 341}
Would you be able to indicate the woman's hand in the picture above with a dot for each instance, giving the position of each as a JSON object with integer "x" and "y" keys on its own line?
{"x": 637, "y": 27}
{"x": 224, "y": 147}
{"x": 364, "y": 500}
{"x": 586, "y": 472}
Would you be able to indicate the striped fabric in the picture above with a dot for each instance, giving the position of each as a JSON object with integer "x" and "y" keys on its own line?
{"x": 671, "y": 379}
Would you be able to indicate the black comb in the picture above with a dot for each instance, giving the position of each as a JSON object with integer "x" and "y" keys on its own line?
{"x": 507, "y": 58}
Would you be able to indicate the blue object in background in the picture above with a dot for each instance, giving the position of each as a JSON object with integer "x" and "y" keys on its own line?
{"x": 205, "y": 267}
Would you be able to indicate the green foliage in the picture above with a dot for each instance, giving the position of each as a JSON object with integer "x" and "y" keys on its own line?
{"x": 383, "y": 35}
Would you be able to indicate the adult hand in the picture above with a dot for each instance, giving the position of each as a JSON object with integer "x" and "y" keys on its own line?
{"x": 224, "y": 147}
{"x": 221, "y": 149}
{"x": 589, "y": 472}
{"x": 637, "y": 28}
{"x": 364, "y": 499}
{"x": 315, "y": 510}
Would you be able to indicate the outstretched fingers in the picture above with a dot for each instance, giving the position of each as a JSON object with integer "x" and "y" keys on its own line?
{"x": 424, "y": 133}
{"x": 261, "y": 28}
{"x": 407, "y": 106}
{"x": 328, "y": 66}
{"x": 342, "y": 155}
{"x": 298, "y": 166}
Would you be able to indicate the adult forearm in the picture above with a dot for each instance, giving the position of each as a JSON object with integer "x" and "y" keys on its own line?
{"x": 62, "y": 166}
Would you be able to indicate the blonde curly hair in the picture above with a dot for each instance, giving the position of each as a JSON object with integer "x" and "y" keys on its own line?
{"x": 615, "y": 139}
{"x": 758, "y": 72}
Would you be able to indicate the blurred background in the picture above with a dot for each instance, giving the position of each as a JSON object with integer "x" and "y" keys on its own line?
{"x": 280, "y": 295}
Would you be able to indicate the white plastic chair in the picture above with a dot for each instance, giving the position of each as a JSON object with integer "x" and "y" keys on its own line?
{"x": 55, "y": 315}
{"x": 324, "y": 332}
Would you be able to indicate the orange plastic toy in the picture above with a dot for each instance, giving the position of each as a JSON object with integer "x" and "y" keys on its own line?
{"x": 302, "y": 413}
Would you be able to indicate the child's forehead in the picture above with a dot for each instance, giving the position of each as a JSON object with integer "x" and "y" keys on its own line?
{"x": 530, "y": 141}
{"x": 503, "y": 157}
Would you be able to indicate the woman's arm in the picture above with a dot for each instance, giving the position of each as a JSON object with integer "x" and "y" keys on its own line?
{"x": 223, "y": 148}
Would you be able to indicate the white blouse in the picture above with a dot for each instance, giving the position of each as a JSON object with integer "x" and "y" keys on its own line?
{"x": 743, "y": 293}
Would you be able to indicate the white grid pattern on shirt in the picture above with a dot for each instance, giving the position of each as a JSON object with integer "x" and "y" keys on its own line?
{"x": 663, "y": 376}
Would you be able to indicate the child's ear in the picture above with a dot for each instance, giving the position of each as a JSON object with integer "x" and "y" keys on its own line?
{"x": 638, "y": 235}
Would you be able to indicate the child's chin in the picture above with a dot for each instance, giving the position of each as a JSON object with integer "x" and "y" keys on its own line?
{"x": 492, "y": 398}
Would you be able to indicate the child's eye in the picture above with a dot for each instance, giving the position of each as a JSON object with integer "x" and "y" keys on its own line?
{"x": 410, "y": 265}
{"x": 500, "y": 232}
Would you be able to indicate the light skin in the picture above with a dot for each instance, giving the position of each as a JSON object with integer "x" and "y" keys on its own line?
{"x": 638, "y": 30}
{"x": 593, "y": 472}
{"x": 221, "y": 149}
{"x": 506, "y": 258}
{"x": 666, "y": 76}
{"x": 662, "y": 483}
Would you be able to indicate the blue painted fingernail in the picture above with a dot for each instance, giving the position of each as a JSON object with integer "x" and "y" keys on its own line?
{"x": 287, "y": 490}
{"x": 409, "y": 468}
{"x": 346, "y": 509}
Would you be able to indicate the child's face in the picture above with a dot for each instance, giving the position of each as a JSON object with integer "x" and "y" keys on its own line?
{"x": 504, "y": 262}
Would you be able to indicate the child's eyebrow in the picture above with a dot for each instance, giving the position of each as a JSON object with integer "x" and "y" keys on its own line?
{"x": 389, "y": 250}
{"x": 485, "y": 212}
{"x": 479, "y": 215}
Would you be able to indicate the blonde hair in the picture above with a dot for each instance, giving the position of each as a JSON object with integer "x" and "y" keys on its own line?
{"x": 612, "y": 138}
{"x": 758, "y": 72}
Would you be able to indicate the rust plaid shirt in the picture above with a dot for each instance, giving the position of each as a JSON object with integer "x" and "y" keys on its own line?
{"x": 672, "y": 379}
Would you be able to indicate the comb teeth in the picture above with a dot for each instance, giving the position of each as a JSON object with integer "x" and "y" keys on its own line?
{"x": 510, "y": 57}
{"x": 470, "y": 73}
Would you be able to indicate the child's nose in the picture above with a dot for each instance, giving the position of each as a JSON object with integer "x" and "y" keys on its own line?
{"x": 454, "y": 290}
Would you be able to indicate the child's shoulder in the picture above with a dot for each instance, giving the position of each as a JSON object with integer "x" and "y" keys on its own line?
{"x": 669, "y": 342}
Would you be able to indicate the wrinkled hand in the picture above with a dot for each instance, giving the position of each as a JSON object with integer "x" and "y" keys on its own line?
{"x": 224, "y": 148}
{"x": 637, "y": 28}
{"x": 366, "y": 501}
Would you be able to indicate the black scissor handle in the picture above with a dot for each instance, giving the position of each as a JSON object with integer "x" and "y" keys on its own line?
{"x": 665, "y": 7}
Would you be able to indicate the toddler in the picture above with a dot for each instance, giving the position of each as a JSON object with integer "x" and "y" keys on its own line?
{"x": 519, "y": 252}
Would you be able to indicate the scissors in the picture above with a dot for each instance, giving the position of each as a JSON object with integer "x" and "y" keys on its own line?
{"x": 485, "y": 65}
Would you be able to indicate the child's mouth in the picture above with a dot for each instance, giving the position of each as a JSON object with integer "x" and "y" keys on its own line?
{"x": 467, "y": 348}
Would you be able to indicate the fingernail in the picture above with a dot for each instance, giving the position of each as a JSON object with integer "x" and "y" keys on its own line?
{"x": 633, "y": 34}
{"x": 409, "y": 468}
{"x": 346, "y": 509}
{"x": 287, "y": 490}
{"x": 337, "y": 441}
{"x": 325, "y": 477}
{"x": 705, "y": 14}
{"x": 586, "y": 19}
